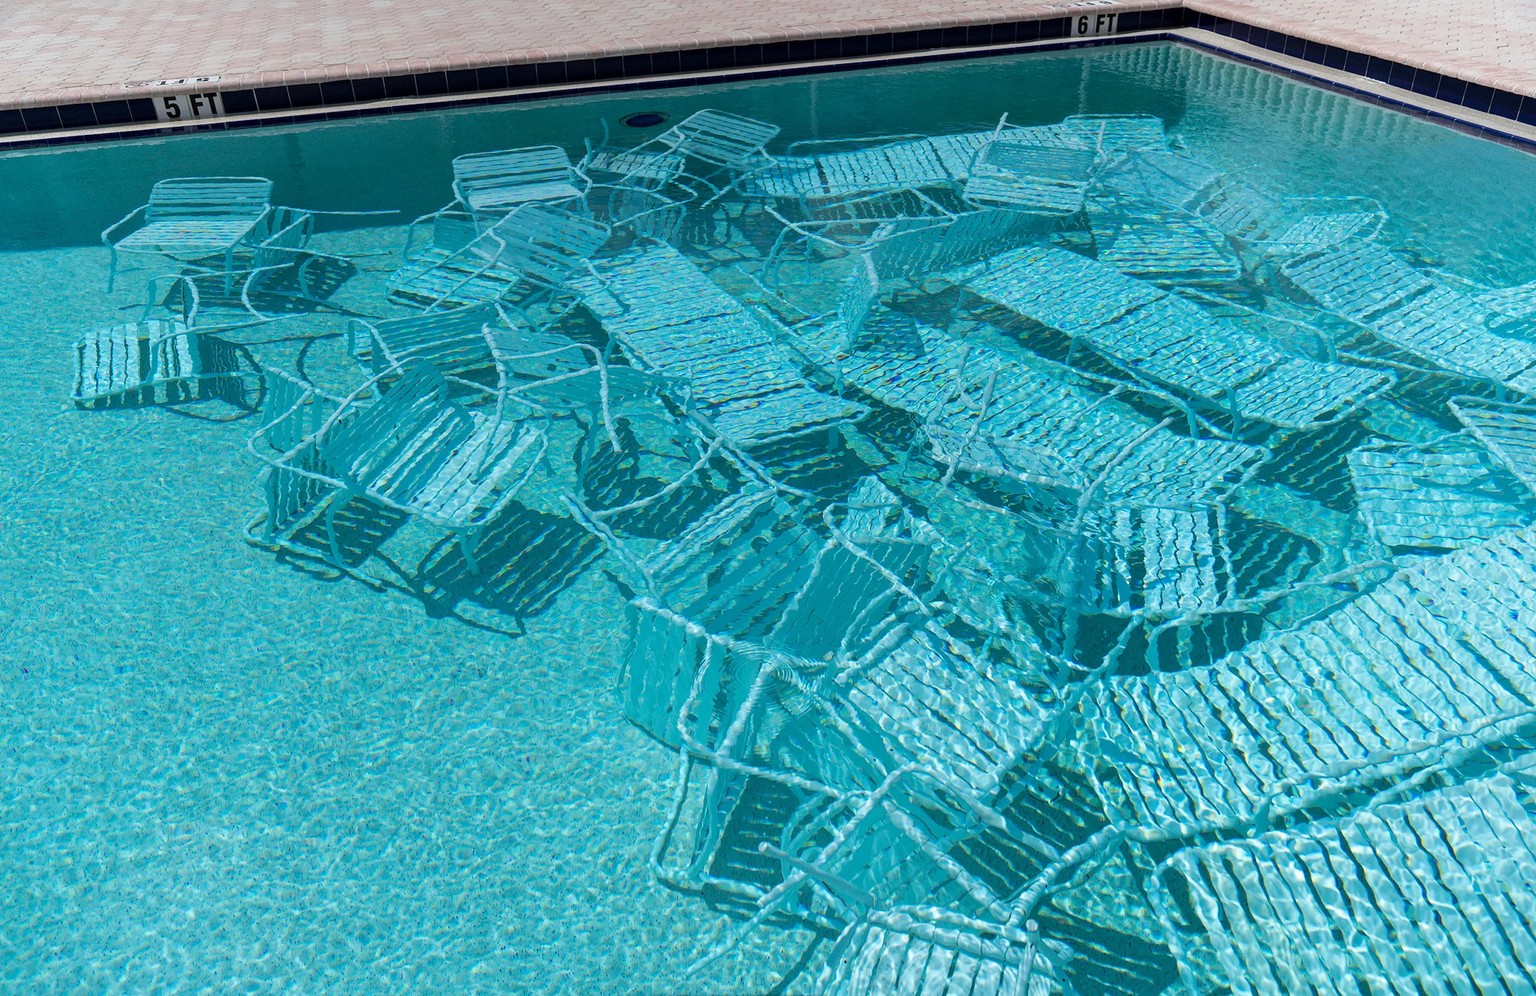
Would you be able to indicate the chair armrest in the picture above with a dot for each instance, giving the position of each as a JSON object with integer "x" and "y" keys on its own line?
{"x": 432, "y": 216}
{"x": 106, "y": 235}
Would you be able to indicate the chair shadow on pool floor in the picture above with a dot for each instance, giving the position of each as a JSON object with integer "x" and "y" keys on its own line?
{"x": 356, "y": 530}
{"x": 290, "y": 291}
{"x": 526, "y": 559}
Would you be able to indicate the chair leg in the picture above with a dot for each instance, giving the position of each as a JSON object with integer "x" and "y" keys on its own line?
{"x": 466, "y": 547}
{"x": 337, "y": 500}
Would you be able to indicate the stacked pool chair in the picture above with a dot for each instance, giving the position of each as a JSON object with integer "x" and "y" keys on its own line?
{"x": 812, "y": 691}
{"x": 1058, "y": 565}
{"x": 717, "y": 148}
{"x": 1200, "y": 213}
{"x": 758, "y": 784}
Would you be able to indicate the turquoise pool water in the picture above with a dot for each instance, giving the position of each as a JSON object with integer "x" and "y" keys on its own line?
{"x": 232, "y": 767}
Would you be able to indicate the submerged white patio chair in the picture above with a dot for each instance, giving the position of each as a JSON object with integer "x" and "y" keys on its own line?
{"x": 533, "y": 250}
{"x": 1020, "y": 176}
{"x": 719, "y": 137}
{"x": 453, "y": 342}
{"x": 493, "y": 183}
{"x": 194, "y": 218}
{"x": 137, "y": 363}
{"x": 418, "y": 452}
{"x": 719, "y": 148}
{"x": 1430, "y": 895}
{"x": 282, "y": 276}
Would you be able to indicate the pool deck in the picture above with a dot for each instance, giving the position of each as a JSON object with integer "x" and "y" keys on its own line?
{"x": 1494, "y": 47}
{"x": 90, "y": 51}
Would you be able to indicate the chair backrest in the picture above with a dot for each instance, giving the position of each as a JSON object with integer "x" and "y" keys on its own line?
{"x": 452, "y": 341}
{"x": 291, "y": 229}
{"x": 1060, "y": 164}
{"x": 713, "y": 547}
{"x": 649, "y": 213}
{"x": 361, "y": 443}
{"x": 847, "y": 597}
{"x": 719, "y": 137}
{"x": 209, "y": 197}
{"x": 1110, "y": 133}
{"x": 860, "y": 292}
{"x": 536, "y": 164}
{"x": 1162, "y": 177}
{"x": 608, "y": 165}
{"x": 905, "y": 254}
{"x": 1240, "y": 211}
{"x": 292, "y": 410}
{"x": 545, "y": 245}
{"x": 978, "y": 234}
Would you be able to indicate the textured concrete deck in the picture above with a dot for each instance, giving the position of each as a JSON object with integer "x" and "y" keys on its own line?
{"x": 57, "y": 53}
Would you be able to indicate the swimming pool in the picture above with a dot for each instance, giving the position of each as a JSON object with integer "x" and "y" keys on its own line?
{"x": 342, "y": 756}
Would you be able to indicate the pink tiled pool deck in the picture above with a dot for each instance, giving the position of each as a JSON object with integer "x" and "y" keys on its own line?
{"x": 56, "y": 53}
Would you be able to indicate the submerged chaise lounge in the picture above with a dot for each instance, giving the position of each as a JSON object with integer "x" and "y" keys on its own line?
{"x": 669, "y": 318}
{"x": 1400, "y": 305}
{"x": 1168, "y": 340}
{"x": 1430, "y": 895}
{"x": 1433, "y": 659}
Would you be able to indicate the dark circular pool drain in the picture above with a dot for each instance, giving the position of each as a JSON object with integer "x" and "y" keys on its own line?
{"x": 645, "y": 119}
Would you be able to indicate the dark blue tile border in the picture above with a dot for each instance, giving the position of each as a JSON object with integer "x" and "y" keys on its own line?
{"x": 347, "y": 98}
{"x": 112, "y": 112}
